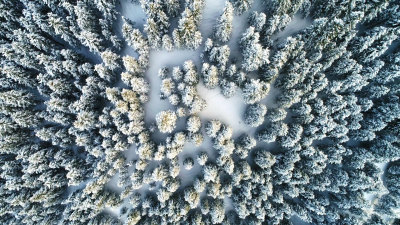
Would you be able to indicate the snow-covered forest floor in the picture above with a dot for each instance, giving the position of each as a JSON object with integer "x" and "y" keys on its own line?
{"x": 228, "y": 110}
{"x": 199, "y": 112}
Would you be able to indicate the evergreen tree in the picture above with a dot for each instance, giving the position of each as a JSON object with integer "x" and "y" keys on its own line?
{"x": 223, "y": 28}
{"x": 220, "y": 56}
{"x": 254, "y": 55}
{"x": 187, "y": 35}
{"x": 166, "y": 121}
{"x": 241, "y": 6}
{"x": 254, "y": 90}
{"x": 209, "y": 75}
{"x": 257, "y": 20}
{"x": 157, "y": 23}
{"x": 254, "y": 114}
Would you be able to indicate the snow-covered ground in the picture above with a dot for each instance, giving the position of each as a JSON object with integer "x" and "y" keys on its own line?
{"x": 212, "y": 9}
{"x": 228, "y": 110}
{"x": 295, "y": 25}
{"x": 296, "y": 220}
{"x": 134, "y": 12}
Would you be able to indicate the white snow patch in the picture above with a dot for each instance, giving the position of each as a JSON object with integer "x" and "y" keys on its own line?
{"x": 270, "y": 99}
{"x": 295, "y": 25}
{"x": 239, "y": 27}
{"x": 128, "y": 50}
{"x": 207, "y": 146}
{"x": 73, "y": 188}
{"x": 114, "y": 212}
{"x": 112, "y": 184}
{"x": 228, "y": 204}
{"x": 130, "y": 154}
{"x": 369, "y": 196}
{"x": 133, "y": 11}
{"x": 228, "y": 110}
{"x": 212, "y": 10}
{"x": 382, "y": 165}
{"x": 297, "y": 221}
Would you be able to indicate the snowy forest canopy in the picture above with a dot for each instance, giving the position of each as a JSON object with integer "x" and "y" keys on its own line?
{"x": 199, "y": 112}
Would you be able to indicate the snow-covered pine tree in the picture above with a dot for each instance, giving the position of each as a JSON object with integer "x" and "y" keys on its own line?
{"x": 223, "y": 28}
{"x": 254, "y": 55}
{"x": 187, "y": 35}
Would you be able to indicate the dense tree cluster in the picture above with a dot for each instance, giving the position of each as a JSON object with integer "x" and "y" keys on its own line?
{"x": 73, "y": 122}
